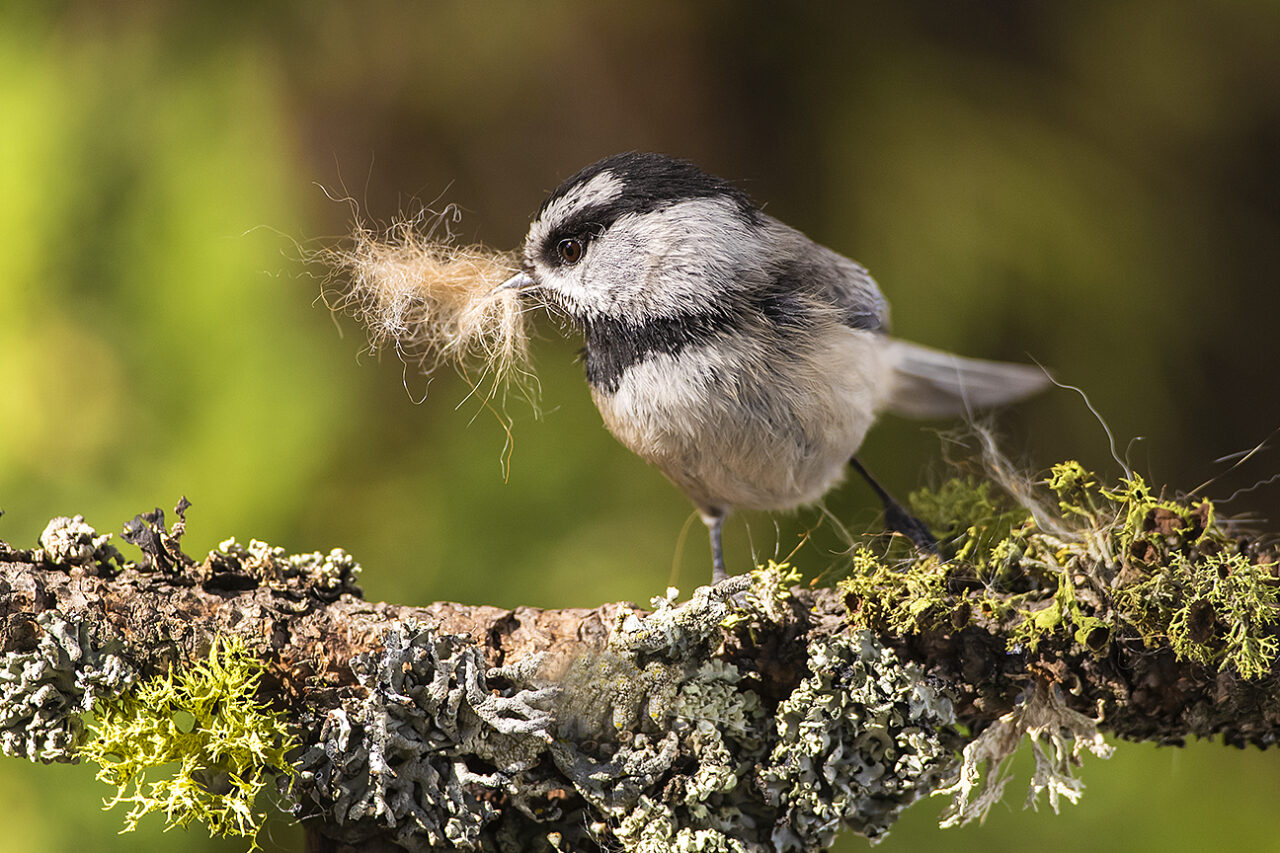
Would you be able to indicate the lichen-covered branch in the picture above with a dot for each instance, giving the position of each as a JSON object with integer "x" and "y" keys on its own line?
{"x": 755, "y": 715}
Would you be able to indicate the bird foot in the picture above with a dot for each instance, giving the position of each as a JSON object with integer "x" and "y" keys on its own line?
{"x": 897, "y": 519}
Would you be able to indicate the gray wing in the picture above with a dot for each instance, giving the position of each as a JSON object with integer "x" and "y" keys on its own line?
{"x": 829, "y": 277}
{"x": 927, "y": 383}
{"x": 930, "y": 383}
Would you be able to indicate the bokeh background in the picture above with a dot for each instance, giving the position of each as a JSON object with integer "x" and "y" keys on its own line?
{"x": 1091, "y": 184}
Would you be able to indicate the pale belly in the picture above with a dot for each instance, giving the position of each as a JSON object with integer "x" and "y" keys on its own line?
{"x": 755, "y": 432}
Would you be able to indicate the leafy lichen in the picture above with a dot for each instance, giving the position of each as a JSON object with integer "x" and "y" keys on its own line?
{"x": 206, "y": 721}
{"x": 858, "y": 741}
{"x": 416, "y": 752}
{"x": 48, "y": 684}
{"x": 328, "y": 576}
{"x": 653, "y": 740}
{"x": 766, "y": 598}
{"x": 73, "y": 542}
{"x": 652, "y": 827}
{"x": 855, "y": 742}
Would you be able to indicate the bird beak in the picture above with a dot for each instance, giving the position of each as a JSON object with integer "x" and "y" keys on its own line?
{"x": 520, "y": 281}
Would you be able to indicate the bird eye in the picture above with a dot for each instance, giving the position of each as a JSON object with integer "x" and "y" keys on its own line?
{"x": 570, "y": 250}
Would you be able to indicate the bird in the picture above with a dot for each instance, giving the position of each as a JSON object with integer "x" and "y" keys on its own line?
{"x": 742, "y": 359}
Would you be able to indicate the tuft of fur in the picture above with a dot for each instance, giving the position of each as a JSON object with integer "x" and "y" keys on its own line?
{"x": 433, "y": 300}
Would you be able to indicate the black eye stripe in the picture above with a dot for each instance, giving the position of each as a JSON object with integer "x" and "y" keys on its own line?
{"x": 582, "y": 235}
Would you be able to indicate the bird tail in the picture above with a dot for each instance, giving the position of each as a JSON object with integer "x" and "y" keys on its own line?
{"x": 930, "y": 383}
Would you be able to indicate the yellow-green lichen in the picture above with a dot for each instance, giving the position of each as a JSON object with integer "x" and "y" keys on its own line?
{"x": 973, "y": 514}
{"x": 1216, "y": 611}
{"x": 1077, "y": 567}
{"x": 902, "y": 598}
{"x": 193, "y": 744}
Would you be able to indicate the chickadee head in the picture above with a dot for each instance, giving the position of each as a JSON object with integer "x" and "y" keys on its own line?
{"x": 636, "y": 237}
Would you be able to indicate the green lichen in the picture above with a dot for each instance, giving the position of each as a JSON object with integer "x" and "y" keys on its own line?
{"x": 973, "y": 515}
{"x": 766, "y": 599}
{"x": 1064, "y": 614}
{"x": 902, "y": 598}
{"x": 194, "y": 745}
{"x": 1074, "y": 568}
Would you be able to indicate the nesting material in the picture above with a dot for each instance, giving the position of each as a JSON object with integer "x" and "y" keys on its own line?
{"x": 433, "y": 301}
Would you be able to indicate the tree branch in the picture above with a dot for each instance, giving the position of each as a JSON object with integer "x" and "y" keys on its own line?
{"x": 757, "y": 715}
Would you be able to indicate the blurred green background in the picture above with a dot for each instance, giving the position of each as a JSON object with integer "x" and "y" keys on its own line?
{"x": 1093, "y": 185}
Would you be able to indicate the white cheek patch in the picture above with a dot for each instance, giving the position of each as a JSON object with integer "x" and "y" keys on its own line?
{"x": 570, "y": 292}
{"x": 693, "y": 268}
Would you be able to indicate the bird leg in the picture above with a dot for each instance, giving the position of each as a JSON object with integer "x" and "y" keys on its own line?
{"x": 896, "y": 517}
{"x": 714, "y": 520}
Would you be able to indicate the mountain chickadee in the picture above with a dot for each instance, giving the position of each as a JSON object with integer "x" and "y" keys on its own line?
{"x": 741, "y": 358}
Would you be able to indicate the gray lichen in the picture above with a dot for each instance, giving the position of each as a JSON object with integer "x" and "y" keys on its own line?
{"x": 48, "y": 684}
{"x": 855, "y": 743}
{"x": 73, "y": 542}
{"x": 710, "y": 801}
{"x": 654, "y": 828}
{"x": 767, "y": 600}
{"x": 655, "y": 741}
{"x": 327, "y": 575}
{"x": 429, "y": 735}
{"x": 858, "y": 741}
{"x": 1058, "y": 735}
{"x": 331, "y": 574}
{"x": 680, "y": 631}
